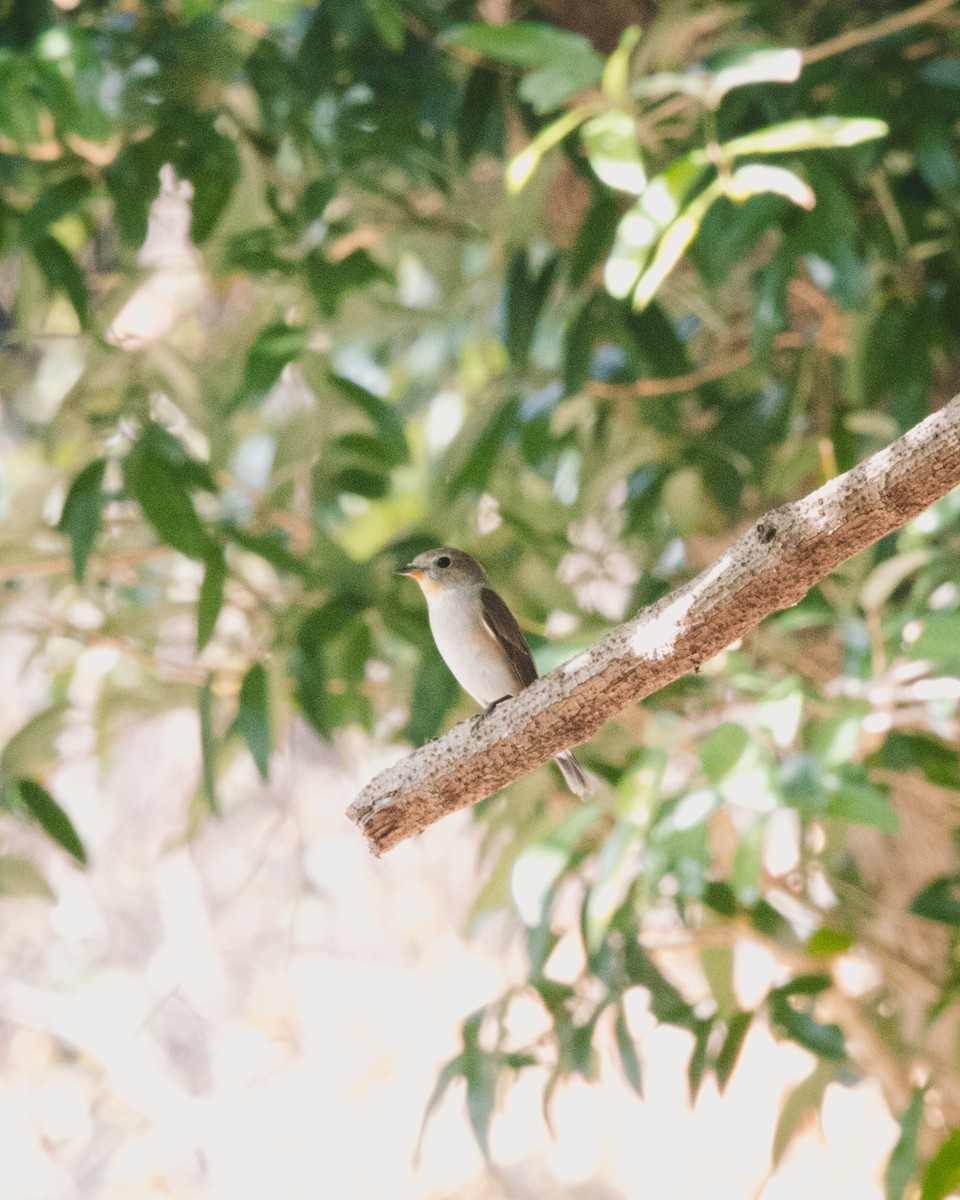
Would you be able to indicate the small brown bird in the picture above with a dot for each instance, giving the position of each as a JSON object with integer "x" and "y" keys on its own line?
{"x": 478, "y": 636}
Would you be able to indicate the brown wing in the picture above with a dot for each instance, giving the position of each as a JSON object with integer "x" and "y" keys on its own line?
{"x": 503, "y": 625}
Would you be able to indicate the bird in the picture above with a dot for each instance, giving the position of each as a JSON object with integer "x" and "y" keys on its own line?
{"x": 478, "y": 637}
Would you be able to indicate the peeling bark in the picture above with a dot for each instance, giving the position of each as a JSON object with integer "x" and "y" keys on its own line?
{"x": 769, "y": 568}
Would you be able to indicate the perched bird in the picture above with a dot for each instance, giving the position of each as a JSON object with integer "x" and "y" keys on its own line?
{"x": 478, "y": 636}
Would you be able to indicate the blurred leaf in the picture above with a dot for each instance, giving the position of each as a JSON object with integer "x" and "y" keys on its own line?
{"x": 330, "y": 280}
{"x": 158, "y": 486}
{"x": 480, "y": 116}
{"x": 32, "y": 749}
{"x": 383, "y": 415}
{"x": 211, "y": 594}
{"x": 62, "y": 274}
{"x": 939, "y": 900}
{"x": 627, "y": 1050}
{"x": 854, "y": 798}
{"x": 80, "y": 519}
{"x": 826, "y": 1041}
{"x": 480, "y": 1072}
{"x": 480, "y": 459}
{"x": 804, "y": 1102}
{"x": 758, "y": 178}
{"x": 523, "y": 43}
{"x": 451, "y": 1071}
{"x": 888, "y": 575}
{"x": 901, "y": 1169}
{"x": 435, "y": 693}
{"x": 827, "y": 942}
{"x": 318, "y": 631}
{"x": 51, "y": 817}
{"x": 807, "y": 133}
{"x": 613, "y": 152}
{"x": 387, "y": 16}
{"x": 252, "y": 721}
{"x": 549, "y": 86}
{"x": 616, "y": 74}
{"x": 523, "y": 165}
{"x": 942, "y": 1176}
{"x": 939, "y": 637}
{"x": 525, "y": 293}
{"x": 20, "y": 877}
{"x": 722, "y": 749}
{"x": 275, "y": 346}
{"x": 594, "y": 237}
{"x": 939, "y": 762}
{"x": 756, "y": 66}
{"x": 53, "y": 205}
{"x": 208, "y": 744}
{"x": 729, "y": 1054}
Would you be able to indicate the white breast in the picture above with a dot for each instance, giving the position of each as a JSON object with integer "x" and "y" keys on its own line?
{"x": 477, "y": 661}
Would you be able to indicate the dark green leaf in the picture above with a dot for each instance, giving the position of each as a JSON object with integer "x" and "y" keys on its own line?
{"x": 902, "y": 1166}
{"x": 481, "y": 458}
{"x": 157, "y": 485}
{"x": 309, "y": 665}
{"x": 939, "y": 901}
{"x": 628, "y": 1054}
{"x": 729, "y": 1054}
{"x": 80, "y": 519}
{"x": 48, "y": 813}
{"x": 252, "y": 721}
{"x": 525, "y": 293}
{"x": 208, "y": 744}
{"x": 276, "y": 346}
{"x": 696, "y": 1068}
{"x": 938, "y": 761}
{"x": 826, "y": 1041}
{"x": 451, "y": 1071}
{"x": 387, "y": 17}
{"x": 435, "y": 693}
{"x": 211, "y": 594}
{"x": 54, "y": 203}
{"x": 523, "y": 43}
{"x": 382, "y": 414}
{"x": 62, "y": 274}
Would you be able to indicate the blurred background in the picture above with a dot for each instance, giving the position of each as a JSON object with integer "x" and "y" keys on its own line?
{"x": 290, "y": 292}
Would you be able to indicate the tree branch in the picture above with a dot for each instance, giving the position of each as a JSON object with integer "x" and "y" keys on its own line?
{"x": 769, "y": 568}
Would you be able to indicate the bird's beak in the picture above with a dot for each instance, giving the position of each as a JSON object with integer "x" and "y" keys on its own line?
{"x": 413, "y": 572}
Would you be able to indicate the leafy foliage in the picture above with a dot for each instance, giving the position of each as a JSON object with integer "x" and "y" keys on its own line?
{"x": 719, "y": 271}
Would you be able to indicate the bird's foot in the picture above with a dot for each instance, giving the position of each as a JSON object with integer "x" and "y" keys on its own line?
{"x": 482, "y": 716}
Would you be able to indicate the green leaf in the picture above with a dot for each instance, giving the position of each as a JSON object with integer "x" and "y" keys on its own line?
{"x": 158, "y": 486}
{"x": 670, "y": 249}
{"x": 48, "y": 814}
{"x": 20, "y": 877}
{"x": 208, "y": 744}
{"x": 451, "y": 1071}
{"x": 616, "y": 74}
{"x": 32, "y": 749}
{"x": 628, "y": 1054}
{"x": 252, "y": 721}
{"x": 803, "y": 1102}
{"x": 435, "y": 693}
{"x": 853, "y": 798}
{"x": 54, "y": 203}
{"x": 80, "y": 519}
{"x": 722, "y": 749}
{"x": 309, "y": 658}
{"x": 827, "y": 942}
{"x": 939, "y": 638}
{"x": 942, "y": 1175}
{"x": 60, "y": 270}
{"x": 939, "y": 762}
{"x": 382, "y": 414}
{"x": 525, "y": 293}
{"x": 548, "y": 87}
{"x": 756, "y": 66}
{"x": 522, "y": 167}
{"x": 480, "y": 1072}
{"x": 939, "y": 900}
{"x": 276, "y": 346}
{"x": 211, "y": 594}
{"x": 387, "y": 17}
{"x": 826, "y": 1041}
{"x": 481, "y": 458}
{"x": 756, "y": 179}
{"x": 613, "y": 151}
{"x": 523, "y": 43}
{"x": 902, "y": 1166}
{"x": 737, "y": 1028}
{"x": 805, "y": 133}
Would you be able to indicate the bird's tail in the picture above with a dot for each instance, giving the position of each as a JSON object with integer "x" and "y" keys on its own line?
{"x": 572, "y": 772}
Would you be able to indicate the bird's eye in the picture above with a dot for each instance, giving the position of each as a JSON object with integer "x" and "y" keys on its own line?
{"x": 443, "y": 560}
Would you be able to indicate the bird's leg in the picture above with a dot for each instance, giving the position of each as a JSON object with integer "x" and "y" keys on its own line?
{"x": 482, "y": 716}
